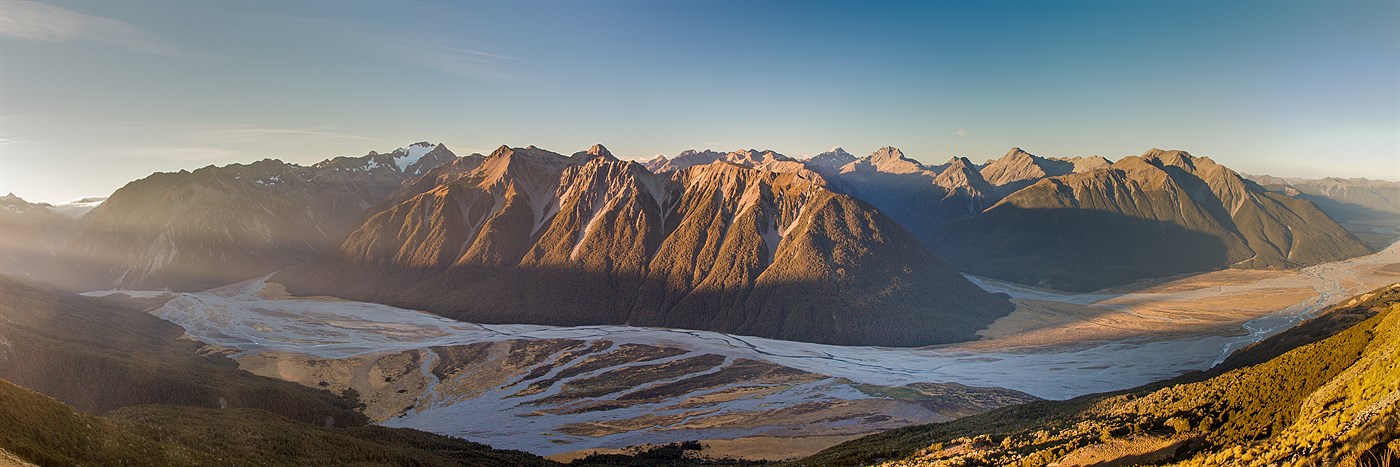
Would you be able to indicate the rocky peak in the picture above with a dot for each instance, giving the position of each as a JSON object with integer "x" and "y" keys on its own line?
{"x": 686, "y": 159}
{"x": 888, "y": 159}
{"x": 961, "y": 174}
{"x": 1162, "y": 158}
{"x": 1018, "y": 154}
{"x": 832, "y": 158}
{"x": 1089, "y": 163}
{"x": 595, "y": 152}
{"x": 754, "y": 157}
{"x": 655, "y": 164}
{"x": 886, "y": 154}
{"x": 959, "y": 163}
{"x": 599, "y": 150}
{"x": 532, "y": 162}
{"x": 500, "y": 152}
{"x": 1018, "y": 168}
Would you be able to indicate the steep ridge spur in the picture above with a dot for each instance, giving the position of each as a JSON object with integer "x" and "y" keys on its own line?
{"x": 531, "y": 236}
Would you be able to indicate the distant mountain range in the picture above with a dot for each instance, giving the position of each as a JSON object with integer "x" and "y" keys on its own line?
{"x": 1368, "y": 208}
{"x": 835, "y": 248}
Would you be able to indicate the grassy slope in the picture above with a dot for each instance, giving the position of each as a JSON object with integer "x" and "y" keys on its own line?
{"x": 98, "y": 355}
{"x": 1325, "y": 391}
{"x": 45, "y": 431}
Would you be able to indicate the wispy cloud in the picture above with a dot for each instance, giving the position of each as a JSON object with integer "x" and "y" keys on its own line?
{"x": 13, "y": 140}
{"x": 40, "y": 22}
{"x": 961, "y": 132}
{"x": 427, "y": 49}
{"x": 181, "y": 154}
{"x": 235, "y": 134}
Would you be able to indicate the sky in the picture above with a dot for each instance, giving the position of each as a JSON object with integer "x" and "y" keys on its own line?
{"x": 96, "y": 94}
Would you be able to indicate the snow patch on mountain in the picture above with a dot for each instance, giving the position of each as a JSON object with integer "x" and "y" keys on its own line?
{"x": 405, "y": 157}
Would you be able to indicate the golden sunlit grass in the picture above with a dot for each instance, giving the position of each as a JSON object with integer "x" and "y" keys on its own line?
{"x": 1334, "y": 401}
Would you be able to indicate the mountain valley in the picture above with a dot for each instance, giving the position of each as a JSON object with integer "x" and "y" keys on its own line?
{"x": 560, "y": 390}
{"x": 768, "y": 306}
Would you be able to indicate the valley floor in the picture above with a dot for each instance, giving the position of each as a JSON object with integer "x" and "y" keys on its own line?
{"x": 552, "y": 390}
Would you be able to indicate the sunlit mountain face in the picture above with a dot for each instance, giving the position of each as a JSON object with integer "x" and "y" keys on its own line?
{"x": 859, "y": 234}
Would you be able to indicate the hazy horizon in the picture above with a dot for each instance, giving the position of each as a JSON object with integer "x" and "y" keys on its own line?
{"x": 94, "y": 95}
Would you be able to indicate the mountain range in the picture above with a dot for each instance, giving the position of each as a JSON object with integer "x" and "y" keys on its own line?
{"x": 834, "y": 248}
{"x": 1086, "y": 223}
{"x": 1161, "y": 213}
{"x": 719, "y": 246}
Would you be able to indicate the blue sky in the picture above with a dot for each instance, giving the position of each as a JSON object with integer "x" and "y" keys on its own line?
{"x": 95, "y": 94}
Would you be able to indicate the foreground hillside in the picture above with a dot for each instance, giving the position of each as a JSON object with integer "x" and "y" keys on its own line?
{"x": 531, "y": 236}
{"x": 98, "y": 355}
{"x": 41, "y": 430}
{"x": 1325, "y": 392}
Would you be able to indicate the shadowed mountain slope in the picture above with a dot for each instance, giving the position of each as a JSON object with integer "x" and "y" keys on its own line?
{"x": 536, "y": 237}
{"x": 42, "y": 430}
{"x": 921, "y": 198}
{"x": 1163, "y": 213}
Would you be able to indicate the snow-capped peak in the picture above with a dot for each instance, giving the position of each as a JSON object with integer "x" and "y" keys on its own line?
{"x": 405, "y": 157}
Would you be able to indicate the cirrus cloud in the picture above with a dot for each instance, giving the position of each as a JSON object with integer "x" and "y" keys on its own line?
{"x": 41, "y": 22}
